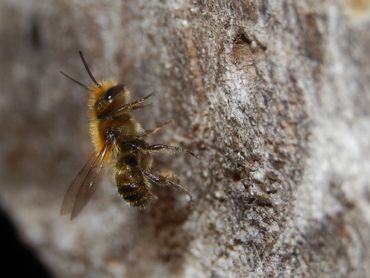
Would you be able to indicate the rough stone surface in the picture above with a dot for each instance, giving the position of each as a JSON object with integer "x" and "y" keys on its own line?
{"x": 273, "y": 95}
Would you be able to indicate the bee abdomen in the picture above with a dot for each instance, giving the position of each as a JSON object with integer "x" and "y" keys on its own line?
{"x": 134, "y": 194}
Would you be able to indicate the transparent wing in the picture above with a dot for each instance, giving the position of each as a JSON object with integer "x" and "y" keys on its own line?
{"x": 84, "y": 185}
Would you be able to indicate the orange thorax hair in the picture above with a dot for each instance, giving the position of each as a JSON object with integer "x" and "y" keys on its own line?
{"x": 98, "y": 128}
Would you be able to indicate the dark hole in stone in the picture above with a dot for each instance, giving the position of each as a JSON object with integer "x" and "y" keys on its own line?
{"x": 234, "y": 174}
{"x": 242, "y": 38}
{"x": 35, "y": 34}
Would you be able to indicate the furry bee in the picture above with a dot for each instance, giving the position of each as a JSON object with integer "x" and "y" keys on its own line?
{"x": 120, "y": 143}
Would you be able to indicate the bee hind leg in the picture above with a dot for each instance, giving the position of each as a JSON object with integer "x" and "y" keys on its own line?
{"x": 161, "y": 147}
{"x": 167, "y": 180}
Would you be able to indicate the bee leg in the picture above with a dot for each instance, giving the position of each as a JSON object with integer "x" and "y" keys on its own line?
{"x": 129, "y": 106}
{"x": 161, "y": 147}
{"x": 135, "y": 104}
{"x": 156, "y": 129}
{"x": 140, "y": 100}
{"x": 136, "y": 145}
{"x": 166, "y": 181}
{"x": 141, "y": 106}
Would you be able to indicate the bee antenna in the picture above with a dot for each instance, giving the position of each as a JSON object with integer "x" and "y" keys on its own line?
{"x": 74, "y": 80}
{"x": 88, "y": 69}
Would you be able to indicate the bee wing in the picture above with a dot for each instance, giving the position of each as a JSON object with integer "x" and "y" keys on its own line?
{"x": 84, "y": 185}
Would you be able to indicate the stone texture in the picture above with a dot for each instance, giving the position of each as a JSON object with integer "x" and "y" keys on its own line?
{"x": 273, "y": 95}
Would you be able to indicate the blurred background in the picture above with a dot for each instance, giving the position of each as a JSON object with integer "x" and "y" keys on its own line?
{"x": 45, "y": 139}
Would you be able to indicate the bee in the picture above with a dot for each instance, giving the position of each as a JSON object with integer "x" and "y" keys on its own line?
{"x": 120, "y": 144}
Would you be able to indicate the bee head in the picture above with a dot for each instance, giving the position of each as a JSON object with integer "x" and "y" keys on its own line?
{"x": 108, "y": 101}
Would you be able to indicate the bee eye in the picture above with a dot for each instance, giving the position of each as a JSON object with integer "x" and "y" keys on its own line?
{"x": 112, "y": 92}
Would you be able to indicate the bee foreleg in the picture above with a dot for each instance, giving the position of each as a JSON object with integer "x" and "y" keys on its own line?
{"x": 132, "y": 105}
